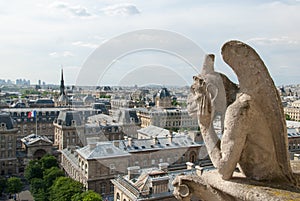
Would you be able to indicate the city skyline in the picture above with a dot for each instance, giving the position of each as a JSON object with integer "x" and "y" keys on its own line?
{"x": 38, "y": 38}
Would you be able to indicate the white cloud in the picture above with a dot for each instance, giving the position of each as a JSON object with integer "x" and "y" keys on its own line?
{"x": 59, "y": 4}
{"x": 76, "y": 10}
{"x": 274, "y": 41}
{"x": 53, "y": 54}
{"x": 67, "y": 54}
{"x": 121, "y": 10}
{"x": 84, "y": 44}
{"x": 61, "y": 54}
{"x": 79, "y": 11}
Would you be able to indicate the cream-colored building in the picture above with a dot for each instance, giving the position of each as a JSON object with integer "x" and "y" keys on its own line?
{"x": 171, "y": 118}
{"x": 96, "y": 164}
{"x": 148, "y": 184}
{"x": 293, "y": 112}
{"x": 36, "y": 146}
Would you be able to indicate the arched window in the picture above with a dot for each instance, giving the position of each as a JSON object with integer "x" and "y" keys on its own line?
{"x": 192, "y": 157}
{"x": 118, "y": 197}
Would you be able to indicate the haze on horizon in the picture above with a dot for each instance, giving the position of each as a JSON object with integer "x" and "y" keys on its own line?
{"x": 37, "y": 38}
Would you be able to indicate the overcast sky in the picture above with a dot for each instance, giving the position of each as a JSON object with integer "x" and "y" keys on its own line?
{"x": 37, "y": 37}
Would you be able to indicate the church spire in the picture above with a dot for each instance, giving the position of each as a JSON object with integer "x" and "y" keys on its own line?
{"x": 62, "y": 84}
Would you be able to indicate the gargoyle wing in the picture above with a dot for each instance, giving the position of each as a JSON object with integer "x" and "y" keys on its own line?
{"x": 255, "y": 80}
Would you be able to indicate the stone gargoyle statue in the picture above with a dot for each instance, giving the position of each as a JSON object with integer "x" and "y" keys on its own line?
{"x": 254, "y": 134}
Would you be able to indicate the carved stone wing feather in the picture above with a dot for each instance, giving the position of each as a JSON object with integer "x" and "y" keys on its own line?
{"x": 255, "y": 80}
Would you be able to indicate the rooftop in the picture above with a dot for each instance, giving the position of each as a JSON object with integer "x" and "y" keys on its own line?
{"x": 33, "y": 138}
{"x": 101, "y": 150}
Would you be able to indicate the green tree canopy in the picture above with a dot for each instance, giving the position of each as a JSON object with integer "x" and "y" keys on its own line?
{"x": 14, "y": 185}
{"x": 91, "y": 196}
{"x": 64, "y": 188}
{"x": 33, "y": 170}
{"x": 87, "y": 196}
{"x": 51, "y": 174}
{"x": 287, "y": 117}
{"x": 3, "y": 183}
{"x": 48, "y": 161}
{"x": 36, "y": 184}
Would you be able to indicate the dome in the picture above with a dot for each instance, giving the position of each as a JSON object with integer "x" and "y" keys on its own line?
{"x": 163, "y": 93}
{"x": 88, "y": 99}
{"x": 6, "y": 119}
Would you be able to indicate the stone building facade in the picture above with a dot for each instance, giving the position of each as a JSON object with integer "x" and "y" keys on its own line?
{"x": 8, "y": 138}
{"x": 68, "y": 128}
{"x": 293, "y": 112}
{"x": 27, "y": 125}
{"x": 163, "y": 99}
{"x": 36, "y": 146}
{"x": 96, "y": 164}
{"x": 171, "y": 118}
{"x": 147, "y": 184}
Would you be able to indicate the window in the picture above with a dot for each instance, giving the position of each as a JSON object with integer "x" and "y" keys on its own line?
{"x": 111, "y": 188}
{"x": 103, "y": 188}
{"x": 118, "y": 197}
{"x": 112, "y": 168}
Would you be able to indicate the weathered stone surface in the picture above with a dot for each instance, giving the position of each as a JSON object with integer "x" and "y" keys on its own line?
{"x": 210, "y": 186}
{"x": 254, "y": 136}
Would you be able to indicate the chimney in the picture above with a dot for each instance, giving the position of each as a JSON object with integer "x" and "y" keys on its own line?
{"x": 133, "y": 172}
{"x": 92, "y": 146}
{"x": 130, "y": 141}
{"x": 189, "y": 165}
{"x": 163, "y": 166}
{"x": 155, "y": 140}
{"x": 170, "y": 137}
{"x": 199, "y": 170}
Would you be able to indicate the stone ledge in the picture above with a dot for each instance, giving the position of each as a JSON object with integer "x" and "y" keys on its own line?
{"x": 245, "y": 189}
{"x": 210, "y": 186}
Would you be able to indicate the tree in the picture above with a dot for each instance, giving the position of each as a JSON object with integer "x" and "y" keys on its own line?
{"x": 33, "y": 170}
{"x": 48, "y": 161}
{"x": 287, "y": 117}
{"x": 3, "y": 183}
{"x": 14, "y": 185}
{"x": 87, "y": 196}
{"x": 41, "y": 195}
{"x": 51, "y": 174}
{"x": 91, "y": 196}
{"x": 37, "y": 188}
{"x": 64, "y": 188}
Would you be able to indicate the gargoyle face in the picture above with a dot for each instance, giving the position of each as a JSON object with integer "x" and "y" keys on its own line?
{"x": 198, "y": 90}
